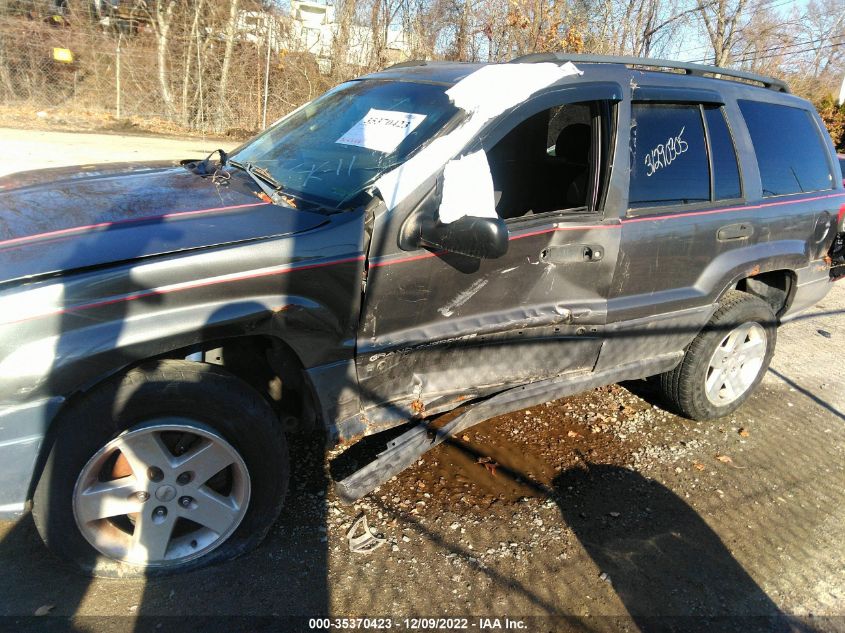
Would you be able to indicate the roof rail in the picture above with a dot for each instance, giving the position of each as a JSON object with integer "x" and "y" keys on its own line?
{"x": 689, "y": 68}
{"x": 409, "y": 63}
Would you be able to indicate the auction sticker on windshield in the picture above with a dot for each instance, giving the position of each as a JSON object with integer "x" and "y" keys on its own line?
{"x": 381, "y": 130}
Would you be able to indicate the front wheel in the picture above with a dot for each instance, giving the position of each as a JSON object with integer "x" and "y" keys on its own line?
{"x": 726, "y": 361}
{"x": 172, "y": 466}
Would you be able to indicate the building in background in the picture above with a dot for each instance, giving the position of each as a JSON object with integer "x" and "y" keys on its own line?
{"x": 311, "y": 28}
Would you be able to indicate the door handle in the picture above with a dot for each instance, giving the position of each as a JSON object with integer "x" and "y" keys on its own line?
{"x": 571, "y": 253}
{"x": 738, "y": 231}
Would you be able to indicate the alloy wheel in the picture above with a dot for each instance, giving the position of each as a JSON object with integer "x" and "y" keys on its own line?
{"x": 735, "y": 364}
{"x": 162, "y": 493}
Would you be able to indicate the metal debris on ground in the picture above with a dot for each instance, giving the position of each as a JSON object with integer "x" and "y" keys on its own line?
{"x": 489, "y": 463}
{"x": 365, "y": 542}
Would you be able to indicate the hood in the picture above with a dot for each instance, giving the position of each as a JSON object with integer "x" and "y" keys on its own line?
{"x": 62, "y": 219}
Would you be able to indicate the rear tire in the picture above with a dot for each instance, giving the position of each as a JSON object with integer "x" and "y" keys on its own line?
{"x": 215, "y": 482}
{"x": 725, "y": 362}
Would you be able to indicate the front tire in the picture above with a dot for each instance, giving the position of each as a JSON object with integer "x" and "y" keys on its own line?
{"x": 174, "y": 465}
{"x": 726, "y": 361}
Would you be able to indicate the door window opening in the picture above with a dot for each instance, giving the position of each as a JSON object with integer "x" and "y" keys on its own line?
{"x": 549, "y": 161}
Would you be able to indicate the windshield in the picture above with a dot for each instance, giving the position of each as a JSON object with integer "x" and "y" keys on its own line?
{"x": 334, "y": 147}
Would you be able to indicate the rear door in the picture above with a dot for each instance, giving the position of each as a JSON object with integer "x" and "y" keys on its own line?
{"x": 685, "y": 210}
{"x": 700, "y": 220}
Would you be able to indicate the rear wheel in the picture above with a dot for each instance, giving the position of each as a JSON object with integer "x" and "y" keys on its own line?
{"x": 726, "y": 361}
{"x": 170, "y": 467}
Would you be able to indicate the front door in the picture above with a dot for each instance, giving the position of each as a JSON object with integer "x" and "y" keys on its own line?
{"x": 438, "y": 328}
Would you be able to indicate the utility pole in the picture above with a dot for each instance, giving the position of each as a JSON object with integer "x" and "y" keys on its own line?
{"x": 269, "y": 20}
{"x": 117, "y": 77}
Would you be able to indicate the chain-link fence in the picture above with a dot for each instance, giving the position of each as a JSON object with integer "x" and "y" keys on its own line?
{"x": 185, "y": 75}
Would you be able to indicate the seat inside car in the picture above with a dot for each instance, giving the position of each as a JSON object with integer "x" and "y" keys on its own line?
{"x": 573, "y": 150}
{"x": 543, "y": 164}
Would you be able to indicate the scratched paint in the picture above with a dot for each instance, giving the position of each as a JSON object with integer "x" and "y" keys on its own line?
{"x": 462, "y": 298}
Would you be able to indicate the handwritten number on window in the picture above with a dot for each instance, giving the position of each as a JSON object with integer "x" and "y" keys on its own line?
{"x": 666, "y": 153}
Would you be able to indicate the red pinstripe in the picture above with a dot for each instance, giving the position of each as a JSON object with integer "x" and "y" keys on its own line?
{"x": 102, "y": 225}
{"x": 188, "y": 286}
{"x": 203, "y": 283}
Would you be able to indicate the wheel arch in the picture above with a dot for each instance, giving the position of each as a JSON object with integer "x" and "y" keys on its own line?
{"x": 273, "y": 353}
{"x": 775, "y": 287}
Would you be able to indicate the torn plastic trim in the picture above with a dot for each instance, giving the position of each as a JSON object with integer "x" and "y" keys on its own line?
{"x": 402, "y": 452}
{"x": 365, "y": 542}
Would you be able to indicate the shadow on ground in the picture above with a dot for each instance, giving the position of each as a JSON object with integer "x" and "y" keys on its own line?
{"x": 669, "y": 568}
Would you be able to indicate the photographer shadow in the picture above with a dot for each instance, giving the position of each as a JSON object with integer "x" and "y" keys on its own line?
{"x": 668, "y": 567}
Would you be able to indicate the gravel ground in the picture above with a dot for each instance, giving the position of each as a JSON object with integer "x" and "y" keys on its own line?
{"x": 601, "y": 512}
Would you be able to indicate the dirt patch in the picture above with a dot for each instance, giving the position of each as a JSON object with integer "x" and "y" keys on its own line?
{"x": 518, "y": 455}
{"x": 28, "y": 117}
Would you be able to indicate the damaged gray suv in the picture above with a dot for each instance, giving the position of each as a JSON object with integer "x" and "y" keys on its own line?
{"x": 434, "y": 236}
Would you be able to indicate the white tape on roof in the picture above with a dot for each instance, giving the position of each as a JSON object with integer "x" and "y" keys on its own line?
{"x": 484, "y": 94}
{"x": 493, "y": 89}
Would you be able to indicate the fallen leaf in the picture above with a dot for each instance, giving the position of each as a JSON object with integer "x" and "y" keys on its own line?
{"x": 698, "y": 465}
{"x": 725, "y": 459}
{"x": 465, "y": 438}
{"x": 44, "y": 609}
{"x": 743, "y": 433}
{"x": 572, "y": 434}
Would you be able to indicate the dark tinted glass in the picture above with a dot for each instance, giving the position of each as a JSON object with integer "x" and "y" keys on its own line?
{"x": 668, "y": 156}
{"x": 789, "y": 150}
{"x": 725, "y": 170}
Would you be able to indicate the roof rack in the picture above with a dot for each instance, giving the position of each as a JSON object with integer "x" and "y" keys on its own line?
{"x": 689, "y": 68}
{"x": 409, "y": 64}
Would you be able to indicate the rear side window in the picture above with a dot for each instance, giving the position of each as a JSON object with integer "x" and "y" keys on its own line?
{"x": 723, "y": 156}
{"x": 669, "y": 163}
{"x": 789, "y": 148}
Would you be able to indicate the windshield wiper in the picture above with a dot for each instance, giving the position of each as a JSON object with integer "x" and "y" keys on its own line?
{"x": 264, "y": 179}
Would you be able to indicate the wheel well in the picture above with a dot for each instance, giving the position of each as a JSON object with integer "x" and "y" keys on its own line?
{"x": 774, "y": 287}
{"x": 267, "y": 364}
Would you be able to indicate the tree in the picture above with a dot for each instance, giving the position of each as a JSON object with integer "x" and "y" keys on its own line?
{"x": 231, "y": 32}
{"x": 721, "y": 19}
{"x": 161, "y": 17}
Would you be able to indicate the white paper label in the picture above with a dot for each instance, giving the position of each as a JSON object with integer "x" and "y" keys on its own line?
{"x": 381, "y": 130}
{"x": 467, "y": 189}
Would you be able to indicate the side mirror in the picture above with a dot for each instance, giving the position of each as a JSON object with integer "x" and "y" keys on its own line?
{"x": 471, "y": 236}
{"x": 482, "y": 238}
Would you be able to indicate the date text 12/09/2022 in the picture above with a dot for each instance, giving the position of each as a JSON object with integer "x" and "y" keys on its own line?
{"x": 419, "y": 624}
